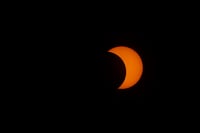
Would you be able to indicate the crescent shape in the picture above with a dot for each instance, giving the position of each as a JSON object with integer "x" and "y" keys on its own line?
{"x": 133, "y": 64}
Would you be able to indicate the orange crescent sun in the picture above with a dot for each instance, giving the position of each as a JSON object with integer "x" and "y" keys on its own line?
{"x": 133, "y": 64}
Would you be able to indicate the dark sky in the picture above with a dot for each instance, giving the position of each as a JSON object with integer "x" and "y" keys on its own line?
{"x": 62, "y": 73}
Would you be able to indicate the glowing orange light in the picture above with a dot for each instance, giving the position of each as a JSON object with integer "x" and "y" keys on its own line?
{"x": 133, "y": 65}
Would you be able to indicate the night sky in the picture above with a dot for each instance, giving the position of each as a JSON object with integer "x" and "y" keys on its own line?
{"x": 59, "y": 70}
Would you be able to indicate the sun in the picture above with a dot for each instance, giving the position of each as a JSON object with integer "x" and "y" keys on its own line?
{"x": 133, "y": 64}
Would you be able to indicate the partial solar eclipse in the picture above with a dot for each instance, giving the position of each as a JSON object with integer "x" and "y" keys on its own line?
{"x": 133, "y": 64}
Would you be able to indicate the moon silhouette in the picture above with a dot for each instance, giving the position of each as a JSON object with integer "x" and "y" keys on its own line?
{"x": 133, "y": 64}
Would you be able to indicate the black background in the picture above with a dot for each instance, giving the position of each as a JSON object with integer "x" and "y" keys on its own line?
{"x": 58, "y": 70}
{"x": 63, "y": 70}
